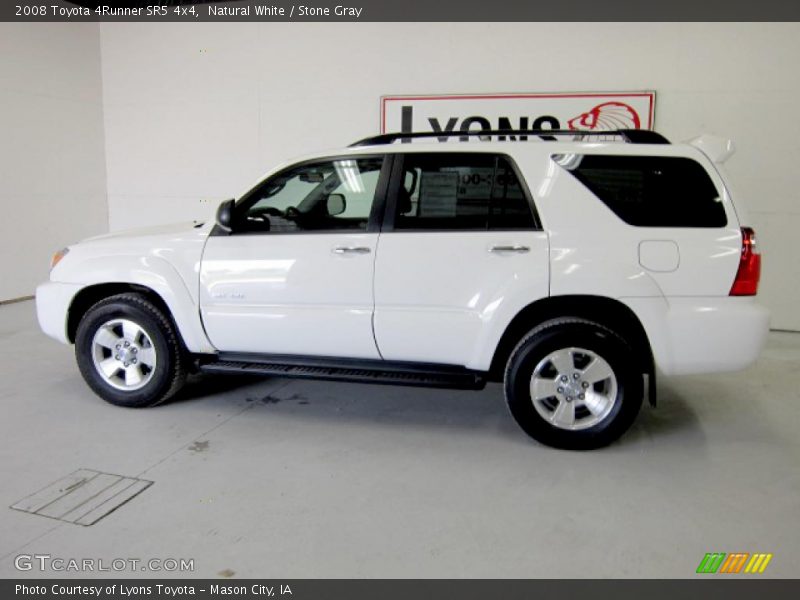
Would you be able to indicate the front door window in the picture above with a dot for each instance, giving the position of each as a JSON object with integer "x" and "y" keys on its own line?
{"x": 332, "y": 195}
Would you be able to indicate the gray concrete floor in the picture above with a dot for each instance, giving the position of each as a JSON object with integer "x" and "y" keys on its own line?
{"x": 279, "y": 478}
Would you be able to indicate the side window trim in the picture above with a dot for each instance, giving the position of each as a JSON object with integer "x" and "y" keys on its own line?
{"x": 526, "y": 192}
{"x": 376, "y": 210}
{"x": 396, "y": 180}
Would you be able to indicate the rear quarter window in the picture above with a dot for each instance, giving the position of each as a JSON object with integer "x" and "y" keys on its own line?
{"x": 650, "y": 191}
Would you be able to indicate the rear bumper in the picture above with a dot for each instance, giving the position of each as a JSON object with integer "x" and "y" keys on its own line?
{"x": 703, "y": 335}
{"x": 52, "y": 308}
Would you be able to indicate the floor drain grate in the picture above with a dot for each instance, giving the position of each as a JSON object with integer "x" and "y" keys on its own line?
{"x": 84, "y": 497}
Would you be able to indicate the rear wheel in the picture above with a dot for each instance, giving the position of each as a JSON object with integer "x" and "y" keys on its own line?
{"x": 572, "y": 383}
{"x": 128, "y": 351}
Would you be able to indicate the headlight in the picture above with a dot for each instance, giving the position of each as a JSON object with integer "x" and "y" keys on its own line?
{"x": 58, "y": 256}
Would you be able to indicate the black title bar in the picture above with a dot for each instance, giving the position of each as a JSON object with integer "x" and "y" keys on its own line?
{"x": 404, "y": 10}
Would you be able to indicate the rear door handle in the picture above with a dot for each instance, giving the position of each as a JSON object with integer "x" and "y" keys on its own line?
{"x": 351, "y": 250}
{"x": 520, "y": 249}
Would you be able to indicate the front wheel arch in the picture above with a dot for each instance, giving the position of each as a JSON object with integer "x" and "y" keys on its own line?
{"x": 130, "y": 320}
{"x": 92, "y": 294}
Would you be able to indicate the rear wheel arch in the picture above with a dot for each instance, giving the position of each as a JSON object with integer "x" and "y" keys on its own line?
{"x": 573, "y": 383}
{"x": 608, "y": 312}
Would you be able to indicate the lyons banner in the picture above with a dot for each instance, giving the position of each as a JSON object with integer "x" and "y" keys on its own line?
{"x": 594, "y": 111}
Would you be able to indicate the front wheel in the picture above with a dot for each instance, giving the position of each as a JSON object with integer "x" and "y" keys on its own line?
{"x": 128, "y": 352}
{"x": 572, "y": 383}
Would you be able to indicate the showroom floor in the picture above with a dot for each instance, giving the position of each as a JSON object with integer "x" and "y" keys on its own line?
{"x": 279, "y": 478}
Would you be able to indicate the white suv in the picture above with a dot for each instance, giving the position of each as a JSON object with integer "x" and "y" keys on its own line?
{"x": 571, "y": 266}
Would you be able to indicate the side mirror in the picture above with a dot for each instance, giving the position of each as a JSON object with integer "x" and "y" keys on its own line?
{"x": 225, "y": 215}
{"x": 336, "y": 204}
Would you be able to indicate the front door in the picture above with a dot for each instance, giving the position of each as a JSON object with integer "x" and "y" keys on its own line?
{"x": 295, "y": 274}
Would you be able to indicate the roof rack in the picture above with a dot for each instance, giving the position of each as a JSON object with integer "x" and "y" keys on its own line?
{"x": 631, "y": 136}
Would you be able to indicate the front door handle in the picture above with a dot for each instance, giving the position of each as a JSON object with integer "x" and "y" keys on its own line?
{"x": 351, "y": 250}
{"x": 520, "y": 249}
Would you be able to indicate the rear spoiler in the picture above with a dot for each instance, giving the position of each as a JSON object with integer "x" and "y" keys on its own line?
{"x": 716, "y": 148}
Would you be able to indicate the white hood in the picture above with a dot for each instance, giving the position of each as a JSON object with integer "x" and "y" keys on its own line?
{"x": 156, "y": 230}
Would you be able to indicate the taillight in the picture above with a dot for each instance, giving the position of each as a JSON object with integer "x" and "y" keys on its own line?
{"x": 746, "y": 282}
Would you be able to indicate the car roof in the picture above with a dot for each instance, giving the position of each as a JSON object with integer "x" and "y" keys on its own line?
{"x": 502, "y": 147}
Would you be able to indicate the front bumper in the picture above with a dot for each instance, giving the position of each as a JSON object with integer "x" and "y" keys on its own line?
{"x": 52, "y": 308}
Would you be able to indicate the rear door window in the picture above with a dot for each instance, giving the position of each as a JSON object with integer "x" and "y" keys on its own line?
{"x": 461, "y": 191}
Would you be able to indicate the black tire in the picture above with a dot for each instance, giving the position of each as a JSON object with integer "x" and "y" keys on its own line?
{"x": 563, "y": 334}
{"x": 169, "y": 372}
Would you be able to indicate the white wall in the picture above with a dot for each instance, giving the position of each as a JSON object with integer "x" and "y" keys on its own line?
{"x": 52, "y": 162}
{"x": 199, "y": 111}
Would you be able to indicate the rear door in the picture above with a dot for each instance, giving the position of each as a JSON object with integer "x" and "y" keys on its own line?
{"x": 460, "y": 253}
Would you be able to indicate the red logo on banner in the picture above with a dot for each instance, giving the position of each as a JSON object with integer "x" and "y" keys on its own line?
{"x": 607, "y": 116}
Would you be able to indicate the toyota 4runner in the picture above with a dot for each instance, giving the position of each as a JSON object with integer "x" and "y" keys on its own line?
{"x": 571, "y": 266}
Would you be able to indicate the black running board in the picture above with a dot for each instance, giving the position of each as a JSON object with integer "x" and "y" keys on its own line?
{"x": 360, "y": 371}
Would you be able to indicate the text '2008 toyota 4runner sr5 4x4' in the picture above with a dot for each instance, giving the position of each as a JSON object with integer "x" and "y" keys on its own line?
{"x": 571, "y": 266}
